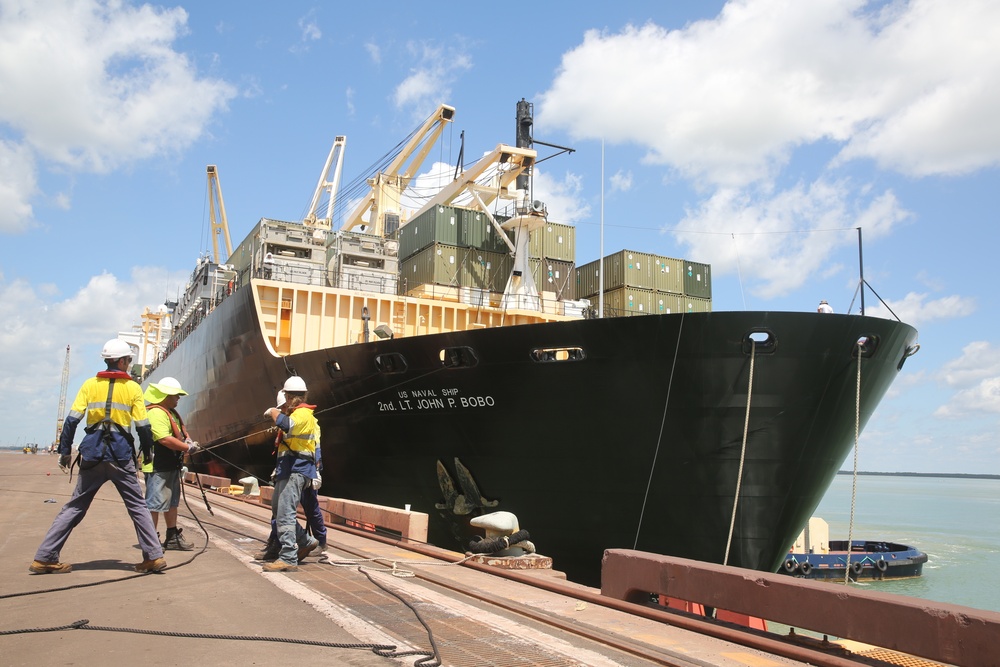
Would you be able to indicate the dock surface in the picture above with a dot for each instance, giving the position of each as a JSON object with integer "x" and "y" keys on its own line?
{"x": 368, "y": 602}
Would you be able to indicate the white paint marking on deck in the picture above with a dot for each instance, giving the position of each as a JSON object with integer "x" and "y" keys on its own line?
{"x": 517, "y": 634}
{"x": 360, "y": 628}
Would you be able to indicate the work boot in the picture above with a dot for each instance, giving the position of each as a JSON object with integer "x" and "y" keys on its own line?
{"x": 308, "y": 548}
{"x": 280, "y": 566}
{"x": 176, "y": 541}
{"x": 270, "y": 551}
{"x": 151, "y": 565}
{"x": 43, "y": 567}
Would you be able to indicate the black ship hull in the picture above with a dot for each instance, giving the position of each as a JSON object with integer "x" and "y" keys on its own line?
{"x": 596, "y": 434}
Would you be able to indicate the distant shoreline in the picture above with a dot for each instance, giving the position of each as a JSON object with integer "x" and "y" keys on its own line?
{"x": 958, "y": 475}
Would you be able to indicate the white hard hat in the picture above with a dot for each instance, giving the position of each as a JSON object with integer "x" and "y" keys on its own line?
{"x": 170, "y": 387}
{"x": 280, "y": 400}
{"x": 116, "y": 348}
{"x": 295, "y": 383}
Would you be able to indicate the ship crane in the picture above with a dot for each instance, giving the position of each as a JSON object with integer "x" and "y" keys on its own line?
{"x": 62, "y": 397}
{"x": 387, "y": 186}
{"x": 334, "y": 161}
{"x": 220, "y": 226}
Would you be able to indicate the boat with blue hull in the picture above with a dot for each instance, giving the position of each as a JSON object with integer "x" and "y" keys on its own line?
{"x": 865, "y": 560}
{"x": 705, "y": 435}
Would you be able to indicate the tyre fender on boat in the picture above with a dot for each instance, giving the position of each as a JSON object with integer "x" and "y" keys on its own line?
{"x": 790, "y": 566}
{"x": 881, "y": 565}
{"x": 805, "y": 569}
{"x": 856, "y": 567}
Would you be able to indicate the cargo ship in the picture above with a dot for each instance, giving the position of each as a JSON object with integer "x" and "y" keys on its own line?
{"x": 460, "y": 365}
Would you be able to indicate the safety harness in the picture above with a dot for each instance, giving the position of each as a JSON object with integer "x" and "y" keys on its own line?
{"x": 105, "y": 426}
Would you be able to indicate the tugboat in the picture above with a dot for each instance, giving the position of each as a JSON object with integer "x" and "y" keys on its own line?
{"x": 866, "y": 559}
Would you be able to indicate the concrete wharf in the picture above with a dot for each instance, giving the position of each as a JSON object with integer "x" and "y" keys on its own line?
{"x": 368, "y": 601}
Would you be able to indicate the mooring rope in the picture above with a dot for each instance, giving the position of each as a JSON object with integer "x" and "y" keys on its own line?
{"x": 743, "y": 452}
{"x": 854, "y": 483}
{"x": 659, "y": 439}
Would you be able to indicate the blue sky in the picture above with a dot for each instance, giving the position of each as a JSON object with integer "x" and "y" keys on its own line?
{"x": 755, "y": 136}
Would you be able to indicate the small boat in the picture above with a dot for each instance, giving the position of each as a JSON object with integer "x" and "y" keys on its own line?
{"x": 866, "y": 560}
{"x": 815, "y": 556}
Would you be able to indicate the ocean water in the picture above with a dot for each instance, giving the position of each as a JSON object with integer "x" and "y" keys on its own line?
{"x": 956, "y": 522}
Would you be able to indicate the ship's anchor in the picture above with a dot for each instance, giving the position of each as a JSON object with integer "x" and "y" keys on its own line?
{"x": 469, "y": 499}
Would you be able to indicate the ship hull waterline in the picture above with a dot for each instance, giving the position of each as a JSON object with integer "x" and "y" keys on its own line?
{"x": 638, "y": 443}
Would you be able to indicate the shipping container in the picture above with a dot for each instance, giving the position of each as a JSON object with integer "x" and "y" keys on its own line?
{"x": 486, "y": 270}
{"x": 697, "y": 280}
{"x": 438, "y": 264}
{"x": 668, "y": 274}
{"x": 625, "y": 301}
{"x": 693, "y": 304}
{"x": 438, "y": 225}
{"x": 476, "y": 231}
{"x": 586, "y": 278}
{"x": 552, "y": 240}
{"x": 552, "y": 275}
{"x": 666, "y": 303}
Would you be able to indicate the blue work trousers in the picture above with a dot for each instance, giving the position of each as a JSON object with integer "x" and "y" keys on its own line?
{"x": 284, "y": 502}
{"x": 315, "y": 523}
{"x": 88, "y": 483}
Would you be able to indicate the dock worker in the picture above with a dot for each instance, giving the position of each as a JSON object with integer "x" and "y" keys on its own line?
{"x": 824, "y": 307}
{"x": 110, "y": 403}
{"x": 171, "y": 443}
{"x": 315, "y": 523}
{"x": 296, "y": 468}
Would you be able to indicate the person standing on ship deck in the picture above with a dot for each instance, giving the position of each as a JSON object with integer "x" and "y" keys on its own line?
{"x": 170, "y": 443}
{"x": 111, "y": 403}
{"x": 296, "y": 468}
{"x": 824, "y": 307}
{"x": 315, "y": 522}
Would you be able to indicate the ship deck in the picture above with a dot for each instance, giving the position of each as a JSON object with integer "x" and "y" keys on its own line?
{"x": 215, "y": 605}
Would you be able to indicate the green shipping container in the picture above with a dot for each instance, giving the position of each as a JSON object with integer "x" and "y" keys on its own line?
{"x": 668, "y": 274}
{"x": 438, "y": 225}
{"x": 626, "y": 301}
{"x": 552, "y": 275}
{"x": 553, "y": 240}
{"x": 665, "y": 303}
{"x": 476, "y": 231}
{"x": 697, "y": 280}
{"x": 693, "y": 304}
{"x": 437, "y": 265}
{"x": 586, "y": 280}
{"x": 486, "y": 270}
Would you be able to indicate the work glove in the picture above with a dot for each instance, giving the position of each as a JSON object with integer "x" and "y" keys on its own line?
{"x": 318, "y": 482}
{"x": 193, "y": 447}
{"x": 274, "y": 473}
{"x": 64, "y": 460}
{"x": 267, "y": 413}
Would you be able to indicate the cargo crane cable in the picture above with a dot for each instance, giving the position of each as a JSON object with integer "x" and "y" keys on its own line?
{"x": 854, "y": 482}
{"x": 659, "y": 439}
{"x": 743, "y": 452}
